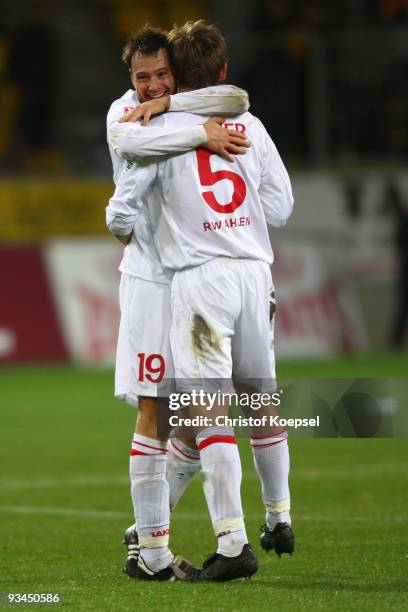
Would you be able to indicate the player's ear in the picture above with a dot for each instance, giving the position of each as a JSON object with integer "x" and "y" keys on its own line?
{"x": 223, "y": 72}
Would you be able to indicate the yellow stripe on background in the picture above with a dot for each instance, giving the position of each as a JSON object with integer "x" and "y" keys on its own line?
{"x": 36, "y": 210}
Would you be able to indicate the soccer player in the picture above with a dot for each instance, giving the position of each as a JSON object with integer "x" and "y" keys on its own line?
{"x": 143, "y": 355}
{"x": 213, "y": 233}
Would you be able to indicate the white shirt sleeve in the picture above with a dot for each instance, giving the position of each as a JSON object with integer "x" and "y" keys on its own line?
{"x": 224, "y": 100}
{"x": 124, "y": 205}
{"x": 275, "y": 190}
{"x": 133, "y": 141}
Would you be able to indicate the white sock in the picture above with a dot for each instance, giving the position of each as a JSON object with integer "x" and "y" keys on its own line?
{"x": 222, "y": 474}
{"x": 156, "y": 559}
{"x": 271, "y": 458}
{"x": 230, "y": 544}
{"x": 150, "y": 496}
{"x": 182, "y": 463}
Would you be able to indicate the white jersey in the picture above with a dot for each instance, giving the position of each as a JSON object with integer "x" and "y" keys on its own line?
{"x": 132, "y": 141}
{"x": 209, "y": 207}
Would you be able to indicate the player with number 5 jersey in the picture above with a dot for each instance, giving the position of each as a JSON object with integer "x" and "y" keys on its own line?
{"x": 207, "y": 207}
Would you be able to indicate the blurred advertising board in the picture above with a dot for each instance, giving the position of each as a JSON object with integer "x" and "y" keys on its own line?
{"x": 84, "y": 278}
{"x": 60, "y": 301}
{"x": 29, "y": 324}
{"x": 315, "y": 315}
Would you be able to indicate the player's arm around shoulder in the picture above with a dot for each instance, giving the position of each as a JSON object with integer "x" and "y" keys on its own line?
{"x": 275, "y": 189}
{"x": 223, "y": 100}
{"x": 133, "y": 141}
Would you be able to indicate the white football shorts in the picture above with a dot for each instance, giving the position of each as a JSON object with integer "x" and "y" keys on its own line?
{"x": 143, "y": 358}
{"x": 222, "y": 324}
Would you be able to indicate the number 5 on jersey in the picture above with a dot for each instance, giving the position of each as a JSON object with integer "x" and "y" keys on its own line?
{"x": 151, "y": 367}
{"x": 208, "y": 178}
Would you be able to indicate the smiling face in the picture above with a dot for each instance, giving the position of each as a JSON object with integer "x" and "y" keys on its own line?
{"x": 152, "y": 76}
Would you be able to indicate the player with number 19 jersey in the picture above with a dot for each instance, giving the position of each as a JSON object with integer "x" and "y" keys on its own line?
{"x": 143, "y": 354}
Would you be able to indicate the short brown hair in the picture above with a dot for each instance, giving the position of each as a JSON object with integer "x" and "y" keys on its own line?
{"x": 198, "y": 52}
{"x": 147, "y": 41}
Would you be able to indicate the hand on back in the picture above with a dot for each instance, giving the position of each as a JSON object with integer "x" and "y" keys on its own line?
{"x": 223, "y": 142}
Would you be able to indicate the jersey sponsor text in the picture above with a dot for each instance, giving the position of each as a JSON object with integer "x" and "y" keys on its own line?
{"x": 226, "y": 223}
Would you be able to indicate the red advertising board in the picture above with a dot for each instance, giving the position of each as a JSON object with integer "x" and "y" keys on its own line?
{"x": 29, "y": 327}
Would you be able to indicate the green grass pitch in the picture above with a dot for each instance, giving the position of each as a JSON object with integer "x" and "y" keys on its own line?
{"x": 65, "y": 503}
